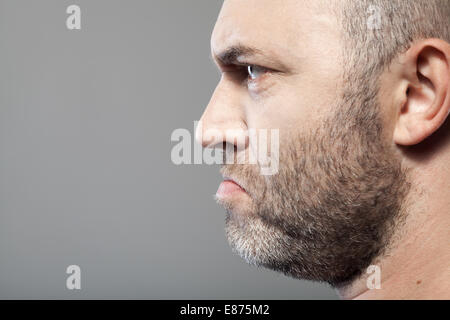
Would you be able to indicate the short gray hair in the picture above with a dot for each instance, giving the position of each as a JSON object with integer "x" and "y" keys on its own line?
{"x": 401, "y": 22}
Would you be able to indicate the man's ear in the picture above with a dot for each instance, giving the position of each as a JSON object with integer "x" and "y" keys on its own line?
{"x": 427, "y": 95}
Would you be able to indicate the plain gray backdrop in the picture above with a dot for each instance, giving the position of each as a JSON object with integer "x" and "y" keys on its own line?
{"x": 86, "y": 176}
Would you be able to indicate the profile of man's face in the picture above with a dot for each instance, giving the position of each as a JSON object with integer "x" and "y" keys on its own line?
{"x": 339, "y": 193}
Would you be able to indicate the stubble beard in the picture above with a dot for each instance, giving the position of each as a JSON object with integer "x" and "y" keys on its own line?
{"x": 332, "y": 208}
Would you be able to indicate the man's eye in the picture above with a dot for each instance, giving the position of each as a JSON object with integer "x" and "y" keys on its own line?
{"x": 254, "y": 72}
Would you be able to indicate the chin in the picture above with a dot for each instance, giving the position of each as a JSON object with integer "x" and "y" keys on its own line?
{"x": 257, "y": 243}
{"x": 238, "y": 206}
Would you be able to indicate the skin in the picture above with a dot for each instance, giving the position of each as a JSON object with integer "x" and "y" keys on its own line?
{"x": 301, "y": 89}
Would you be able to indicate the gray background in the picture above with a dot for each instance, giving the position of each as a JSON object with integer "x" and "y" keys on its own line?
{"x": 85, "y": 171}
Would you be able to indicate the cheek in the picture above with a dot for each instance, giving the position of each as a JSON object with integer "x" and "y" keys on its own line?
{"x": 296, "y": 107}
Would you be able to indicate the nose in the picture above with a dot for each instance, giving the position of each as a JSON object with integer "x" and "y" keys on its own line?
{"x": 223, "y": 121}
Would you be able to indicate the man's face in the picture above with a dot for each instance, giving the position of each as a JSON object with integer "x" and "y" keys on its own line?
{"x": 334, "y": 203}
{"x": 297, "y": 44}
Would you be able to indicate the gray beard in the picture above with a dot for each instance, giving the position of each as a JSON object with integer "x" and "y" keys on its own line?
{"x": 332, "y": 208}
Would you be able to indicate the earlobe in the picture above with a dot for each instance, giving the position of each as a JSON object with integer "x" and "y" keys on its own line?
{"x": 427, "y": 97}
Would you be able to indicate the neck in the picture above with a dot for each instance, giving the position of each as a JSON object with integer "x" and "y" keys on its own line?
{"x": 417, "y": 267}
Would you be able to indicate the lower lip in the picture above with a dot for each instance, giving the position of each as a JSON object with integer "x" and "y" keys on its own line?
{"x": 228, "y": 188}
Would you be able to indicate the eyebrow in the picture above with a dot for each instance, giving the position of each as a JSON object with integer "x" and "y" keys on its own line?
{"x": 232, "y": 54}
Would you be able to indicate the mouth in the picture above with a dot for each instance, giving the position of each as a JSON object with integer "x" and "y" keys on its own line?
{"x": 229, "y": 187}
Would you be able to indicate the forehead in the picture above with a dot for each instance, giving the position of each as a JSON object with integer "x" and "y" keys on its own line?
{"x": 275, "y": 26}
